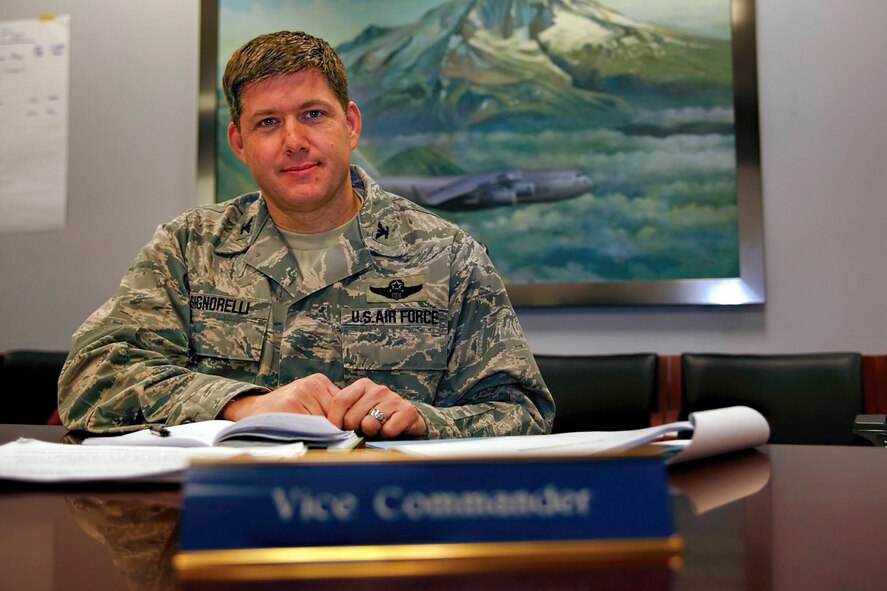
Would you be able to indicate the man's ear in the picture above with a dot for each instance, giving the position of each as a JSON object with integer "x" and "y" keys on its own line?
{"x": 354, "y": 122}
{"x": 235, "y": 140}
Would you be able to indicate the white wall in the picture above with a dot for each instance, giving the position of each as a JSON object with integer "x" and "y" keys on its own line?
{"x": 132, "y": 161}
{"x": 822, "y": 78}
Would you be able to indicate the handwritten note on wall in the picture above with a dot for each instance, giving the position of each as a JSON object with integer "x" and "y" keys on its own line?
{"x": 34, "y": 67}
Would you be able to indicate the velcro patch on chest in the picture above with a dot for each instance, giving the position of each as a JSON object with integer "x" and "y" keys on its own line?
{"x": 398, "y": 289}
{"x": 395, "y": 317}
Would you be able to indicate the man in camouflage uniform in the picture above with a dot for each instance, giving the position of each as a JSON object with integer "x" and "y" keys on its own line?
{"x": 321, "y": 294}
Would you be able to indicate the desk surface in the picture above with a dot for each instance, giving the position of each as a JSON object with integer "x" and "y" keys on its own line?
{"x": 785, "y": 517}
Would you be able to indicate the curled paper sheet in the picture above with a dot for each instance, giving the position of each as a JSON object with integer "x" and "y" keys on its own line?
{"x": 723, "y": 430}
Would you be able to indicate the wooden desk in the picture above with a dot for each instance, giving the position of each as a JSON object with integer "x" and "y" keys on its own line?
{"x": 814, "y": 518}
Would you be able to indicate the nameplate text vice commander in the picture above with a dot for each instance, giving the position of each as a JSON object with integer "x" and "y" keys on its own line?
{"x": 319, "y": 294}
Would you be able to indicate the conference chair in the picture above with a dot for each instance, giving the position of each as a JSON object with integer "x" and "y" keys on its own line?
{"x": 601, "y": 392}
{"x": 806, "y": 398}
{"x": 29, "y": 386}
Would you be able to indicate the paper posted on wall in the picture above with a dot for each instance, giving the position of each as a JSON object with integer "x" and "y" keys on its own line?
{"x": 34, "y": 71}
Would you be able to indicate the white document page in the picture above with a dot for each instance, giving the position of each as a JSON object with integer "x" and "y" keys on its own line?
{"x": 581, "y": 443}
{"x": 714, "y": 432}
{"x": 34, "y": 69}
{"x": 198, "y": 434}
{"x": 38, "y": 461}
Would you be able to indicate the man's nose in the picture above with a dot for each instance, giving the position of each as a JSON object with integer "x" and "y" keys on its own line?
{"x": 294, "y": 139}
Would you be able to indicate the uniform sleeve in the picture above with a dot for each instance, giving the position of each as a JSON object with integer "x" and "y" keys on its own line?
{"x": 128, "y": 364}
{"x": 492, "y": 386}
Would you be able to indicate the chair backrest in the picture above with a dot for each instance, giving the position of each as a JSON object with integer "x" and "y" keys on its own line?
{"x": 600, "y": 392}
{"x": 29, "y": 385}
{"x": 807, "y": 398}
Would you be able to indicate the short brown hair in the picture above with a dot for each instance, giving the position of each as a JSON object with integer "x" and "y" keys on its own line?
{"x": 276, "y": 54}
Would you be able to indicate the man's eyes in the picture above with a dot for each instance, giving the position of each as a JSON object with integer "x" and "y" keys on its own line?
{"x": 272, "y": 121}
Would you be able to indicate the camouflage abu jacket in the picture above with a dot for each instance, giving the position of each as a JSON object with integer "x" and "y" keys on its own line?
{"x": 215, "y": 306}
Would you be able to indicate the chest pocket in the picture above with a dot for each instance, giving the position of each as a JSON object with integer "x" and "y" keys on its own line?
{"x": 404, "y": 348}
{"x": 227, "y": 335}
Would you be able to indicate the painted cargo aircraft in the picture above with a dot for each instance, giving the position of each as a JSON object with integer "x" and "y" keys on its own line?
{"x": 489, "y": 189}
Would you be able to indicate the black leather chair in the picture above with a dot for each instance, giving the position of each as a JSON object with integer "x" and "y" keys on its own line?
{"x": 29, "y": 385}
{"x": 806, "y": 398}
{"x": 601, "y": 392}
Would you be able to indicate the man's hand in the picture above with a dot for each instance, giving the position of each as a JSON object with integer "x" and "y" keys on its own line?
{"x": 351, "y": 406}
{"x": 312, "y": 395}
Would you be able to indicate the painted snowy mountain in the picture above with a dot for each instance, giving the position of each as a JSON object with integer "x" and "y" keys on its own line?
{"x": 527, "y": 64}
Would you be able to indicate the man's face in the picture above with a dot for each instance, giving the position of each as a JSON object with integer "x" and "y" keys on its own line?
{"x": 296, "y": 141}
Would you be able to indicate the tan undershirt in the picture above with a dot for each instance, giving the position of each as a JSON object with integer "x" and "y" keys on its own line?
{"x": 307, "y": 248}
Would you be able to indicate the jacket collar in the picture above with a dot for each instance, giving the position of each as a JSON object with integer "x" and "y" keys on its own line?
{"x": 379, "y": 218}
{"x": 252, "y": 232}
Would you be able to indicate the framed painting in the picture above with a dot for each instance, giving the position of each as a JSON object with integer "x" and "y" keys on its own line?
{"x": 606, "y": 152}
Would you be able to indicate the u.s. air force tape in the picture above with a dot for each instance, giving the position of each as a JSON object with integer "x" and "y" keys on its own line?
{"x": 396, "y": 316}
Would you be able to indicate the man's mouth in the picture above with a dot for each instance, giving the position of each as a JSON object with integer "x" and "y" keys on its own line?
{"x": 300, "y": 168}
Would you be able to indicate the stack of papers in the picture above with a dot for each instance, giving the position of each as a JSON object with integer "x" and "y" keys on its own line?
{"x": 29, "y": 460}
{"x": 145, "y": 454}
{"x": 166, "y": 453}
{"x": 714, "y": 432}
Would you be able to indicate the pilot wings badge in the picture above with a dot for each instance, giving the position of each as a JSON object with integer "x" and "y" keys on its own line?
{"x": 395, "y": 289}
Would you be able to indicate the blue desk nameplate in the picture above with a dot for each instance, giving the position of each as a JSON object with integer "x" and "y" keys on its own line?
{"x": 377, "y": 511}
